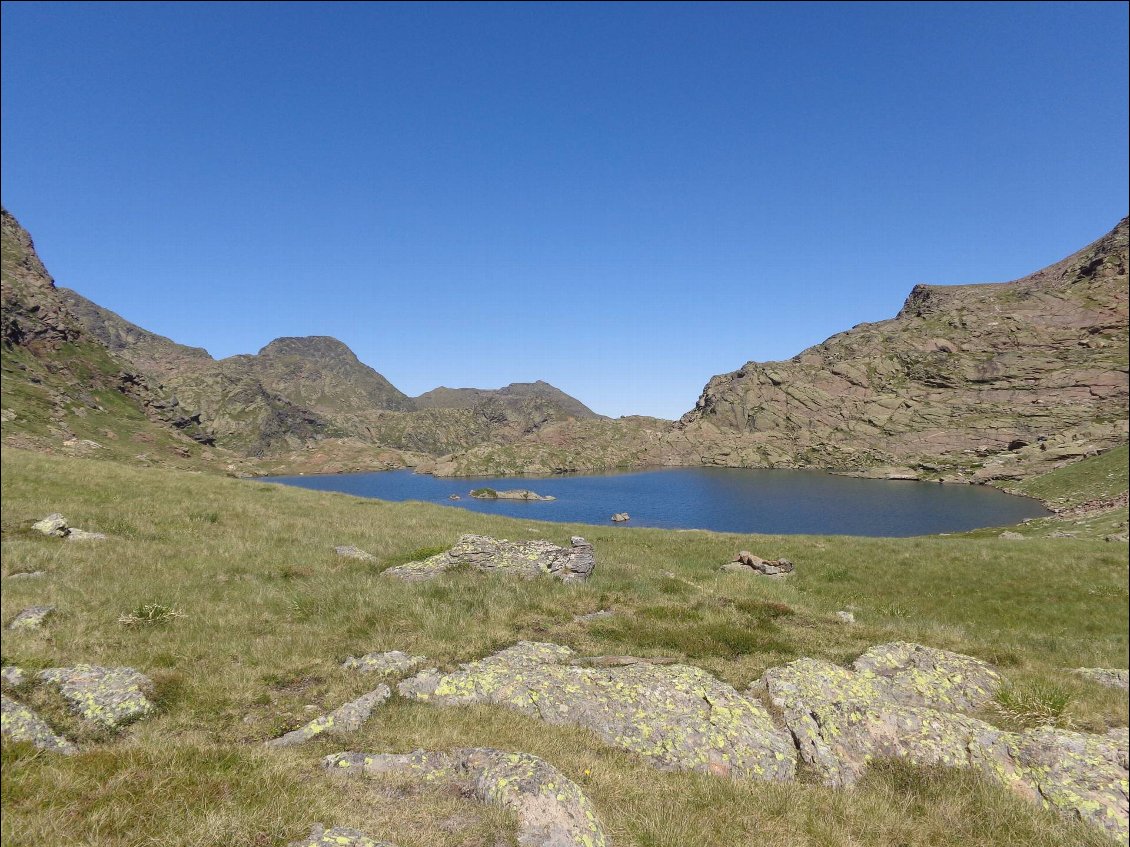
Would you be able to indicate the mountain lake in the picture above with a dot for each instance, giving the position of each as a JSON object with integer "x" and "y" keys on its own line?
{"x": 780, "y": 502}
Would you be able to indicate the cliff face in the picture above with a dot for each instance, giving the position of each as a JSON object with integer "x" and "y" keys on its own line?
{"x": 989, "y": 381}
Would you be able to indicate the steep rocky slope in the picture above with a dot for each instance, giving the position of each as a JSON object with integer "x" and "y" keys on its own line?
{"x": 970, "y": 381}
{"x": 62, "y": 388}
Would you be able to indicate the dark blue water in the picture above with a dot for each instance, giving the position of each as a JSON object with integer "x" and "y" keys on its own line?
{"x": 722, "y": 499}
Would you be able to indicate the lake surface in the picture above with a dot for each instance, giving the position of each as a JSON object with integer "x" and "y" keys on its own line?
{"x": 721, "y": 499}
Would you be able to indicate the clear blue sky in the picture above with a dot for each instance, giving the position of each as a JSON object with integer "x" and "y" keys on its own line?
{"x": 620, "y": 199}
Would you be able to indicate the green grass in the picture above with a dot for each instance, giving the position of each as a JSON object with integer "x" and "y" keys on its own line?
{"x": 1100, "y": 477}
{"x": 267, "y": 613}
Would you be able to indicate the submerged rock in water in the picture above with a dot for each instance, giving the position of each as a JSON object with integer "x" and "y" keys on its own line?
{"x": 526, "y": 559}
{"x": 512, "y": 494}
{"x": 678, "y": 717}
{"x": 20, "y": 723}
{"x": 551, "y": 809}
{"x": 110, "y": 697}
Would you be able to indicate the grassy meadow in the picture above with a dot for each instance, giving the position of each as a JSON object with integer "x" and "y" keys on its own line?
{"x": 261, "y": 613}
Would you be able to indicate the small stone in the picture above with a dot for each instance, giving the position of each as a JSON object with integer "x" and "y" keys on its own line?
{"x": 82, "y": 535}
{"x": 845, "y": 616}
{"x": 31, "y": 618}
{"x": 339, "y": 836}
{"x": 53, "y": 525}
{"x": 351, "y": 552}
{"x": 393, "y": 661}
{"x": 347, "y": 718}
{"x": 12, "y": 675}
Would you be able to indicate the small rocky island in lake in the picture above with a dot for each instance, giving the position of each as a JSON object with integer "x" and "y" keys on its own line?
{"x": 512, "y": 494}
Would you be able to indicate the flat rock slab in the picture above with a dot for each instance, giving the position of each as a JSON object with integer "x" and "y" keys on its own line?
{"x": 76, "y": 534}
{"x": 347, "y": 718}
{"x": 843, "y": 719}
{"x": 1110, "y": 677}
{"x": 110, "y": 697}
{"x": 20, "y": 723}
{"x": 925, "y": 676}
{"x": 394, "y": 661}
{"x": 27, "y": 575}
{"x": 339, "y": 836}
{"x": 527, "y": 559}
{"x": 551, "y": 809}
{"x": 31, "y": 618}
{"x": 677, "y": 717}
{"x": 351, "y": 552}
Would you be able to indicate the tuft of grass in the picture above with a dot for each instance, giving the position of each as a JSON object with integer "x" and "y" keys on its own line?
{"x": 1035, "y": 704}
{"x": 150, "y": 614}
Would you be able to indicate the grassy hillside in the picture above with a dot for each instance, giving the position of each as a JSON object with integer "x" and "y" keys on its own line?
{"x": 267, "y": 612}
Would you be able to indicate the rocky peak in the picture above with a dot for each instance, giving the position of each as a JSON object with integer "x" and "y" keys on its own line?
{"x": 310, "y": 347}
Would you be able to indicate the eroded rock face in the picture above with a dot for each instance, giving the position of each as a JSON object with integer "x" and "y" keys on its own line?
{"x": 526, "y": 559}
{"x": 394, "y": 661}
{"x": 20, "y": 723}
{"x": 109, "y": 697}
{"x": 551, "y": 809}
{"x": 677, "y": 717}
{"x": 905, "y": 701}
{"x": 347, "y": 718}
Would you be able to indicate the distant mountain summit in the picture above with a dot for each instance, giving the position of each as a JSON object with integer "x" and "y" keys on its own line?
{"x": 467, "y": 398}
{"x": 986, "y": 381}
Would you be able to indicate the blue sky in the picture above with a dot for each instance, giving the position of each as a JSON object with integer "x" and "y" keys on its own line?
{"x": 620, "y": 199}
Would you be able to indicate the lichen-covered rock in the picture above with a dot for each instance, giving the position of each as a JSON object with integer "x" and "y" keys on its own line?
{"x": 551, "y": 809}
{"x": 1110, "y": 677}
{"x": 12, "y": 675}
{"x": 1078, "y": 775}
{"x": 394, "y": 661}
{"x": 347, "y": 718}
{"x": 338, "y": 836}
{"x": 110, "y": 697}
{"x": 678, "y": 717}
{"x": 843, "y": 719}
{"x": 31, "y": 618}
{"x": 54, "y": 525}
{"x": 526, "y": 559}
{"x": 20, "y": 723}
{"x": 925, "y": 676}
{"x": 351, "y": 552}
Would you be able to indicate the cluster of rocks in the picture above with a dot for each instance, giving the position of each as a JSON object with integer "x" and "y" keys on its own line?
{"x": 550, "y": 808}
{"x": 104, "y": 698}
{"x": 746, "y": 562}
{"x": 56, "y": 526}
{"x": 527, "y": 559}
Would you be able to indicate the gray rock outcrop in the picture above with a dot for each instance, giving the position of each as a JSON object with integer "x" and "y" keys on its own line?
{"x": 31, "y": 618}
{"x": 550, "y": 808}
{"x": 338, "y": 836}
{"x": 347, "y": 718}
{"x": 351, "y": 552}
{"x": 527, "y": 559}
{"x": 675, "y": 716}
{"x": 1110, "y": 677}
{"x": 108, "y": 697}
{"x": 20, "y": 723}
